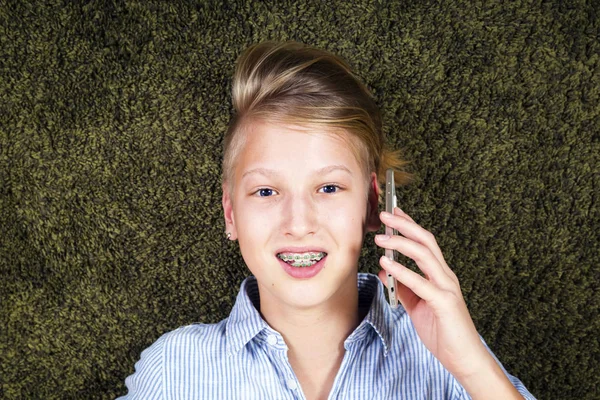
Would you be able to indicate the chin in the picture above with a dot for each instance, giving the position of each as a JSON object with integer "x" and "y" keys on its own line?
{"x": 314, "y": 292}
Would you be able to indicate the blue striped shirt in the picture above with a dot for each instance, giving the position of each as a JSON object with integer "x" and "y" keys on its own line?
{"x": 242, "y": 357}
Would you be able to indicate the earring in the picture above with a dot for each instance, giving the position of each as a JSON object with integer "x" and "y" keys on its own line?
{"x": 228, "y": 235}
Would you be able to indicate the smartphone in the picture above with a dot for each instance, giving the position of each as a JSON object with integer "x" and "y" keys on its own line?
{"x": 390, "y": 203}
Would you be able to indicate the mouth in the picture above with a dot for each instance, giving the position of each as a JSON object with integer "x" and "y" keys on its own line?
{"x": 302, "y": 260}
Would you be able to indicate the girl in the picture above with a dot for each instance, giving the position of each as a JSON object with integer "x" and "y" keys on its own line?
{"x": 304, "y": 160}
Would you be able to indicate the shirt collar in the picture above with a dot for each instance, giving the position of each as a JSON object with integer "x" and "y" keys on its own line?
{"x": 380, "y": 316}
{"x": 245, "y": 321}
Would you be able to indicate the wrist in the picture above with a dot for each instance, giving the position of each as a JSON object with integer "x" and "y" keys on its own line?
{"x": 489, "y": 382}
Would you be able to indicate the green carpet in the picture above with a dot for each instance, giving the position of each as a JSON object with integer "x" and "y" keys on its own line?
{"x": 111, "y": 122}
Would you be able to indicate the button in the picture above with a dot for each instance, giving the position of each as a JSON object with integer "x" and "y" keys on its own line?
{"x": 272, "y": 340}
{"x": 291, "y": 384}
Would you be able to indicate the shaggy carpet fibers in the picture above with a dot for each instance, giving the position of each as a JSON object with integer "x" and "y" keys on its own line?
{"x": 111, "y": 122}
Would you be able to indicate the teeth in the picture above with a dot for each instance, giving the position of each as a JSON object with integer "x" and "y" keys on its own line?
{"x": 302, "y": 259}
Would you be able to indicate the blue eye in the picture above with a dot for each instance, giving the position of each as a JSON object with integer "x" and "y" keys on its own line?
{"x": 330, "y": 188}
{"x": 265, "y": 192}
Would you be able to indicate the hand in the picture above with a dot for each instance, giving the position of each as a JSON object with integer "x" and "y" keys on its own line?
{"x": 434, "y": 303}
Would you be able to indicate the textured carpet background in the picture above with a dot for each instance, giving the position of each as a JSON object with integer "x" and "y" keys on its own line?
{"x": 111, "y": 118}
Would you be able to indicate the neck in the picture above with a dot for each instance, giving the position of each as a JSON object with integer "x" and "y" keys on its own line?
{"x": 319, "y": 332}
{"x": 315, "y": 336}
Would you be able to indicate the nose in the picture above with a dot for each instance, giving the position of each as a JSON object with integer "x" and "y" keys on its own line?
{"x": 299, "y": 216}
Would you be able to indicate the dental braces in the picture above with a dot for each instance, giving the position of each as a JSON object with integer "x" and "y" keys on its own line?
{"x": 297, "y": 257}
{"x": 304, "y": 263}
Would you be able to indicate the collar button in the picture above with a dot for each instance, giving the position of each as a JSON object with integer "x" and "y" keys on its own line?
{"x": 291, "y": 384}
{"x": 272, "y": 340}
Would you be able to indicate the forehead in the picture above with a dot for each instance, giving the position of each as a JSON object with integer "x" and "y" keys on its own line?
{"x": 296, "y": 147}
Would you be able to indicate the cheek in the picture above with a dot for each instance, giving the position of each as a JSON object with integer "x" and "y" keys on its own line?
{"x": 348, "y": 221}
{"x": 253, "y": 225}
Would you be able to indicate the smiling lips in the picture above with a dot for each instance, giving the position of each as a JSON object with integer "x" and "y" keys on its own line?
{"x": 307, "y": 259}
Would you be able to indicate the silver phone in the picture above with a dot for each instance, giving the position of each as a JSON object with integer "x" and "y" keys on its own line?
{"x": 390, "y": 203}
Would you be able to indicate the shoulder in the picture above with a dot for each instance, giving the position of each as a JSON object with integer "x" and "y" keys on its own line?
{"x": 410, "y": 369}
{"x": 404, "y": 338}
{"x": 194, "y": 337}
{"x": 196, "y": 331}
{"x": 416, "y": 367}
{"x": 172, "y": 351}
{"x": 407, "y": 349}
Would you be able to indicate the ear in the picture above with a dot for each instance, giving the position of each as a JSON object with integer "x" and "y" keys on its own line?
{"x": 373, "y": 222}
{"x": 228, "y": 212}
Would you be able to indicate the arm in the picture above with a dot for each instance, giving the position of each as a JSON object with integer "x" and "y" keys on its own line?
{"x": 147, "y": 380}
{"x": 438, "y": 311}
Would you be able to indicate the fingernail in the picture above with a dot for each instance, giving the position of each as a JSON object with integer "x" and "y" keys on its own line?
{"x": 386, "y": 214}
{"x": 385, "y": 260}
{"x": 382, "y": 237}
{"x": 399, "y": 210}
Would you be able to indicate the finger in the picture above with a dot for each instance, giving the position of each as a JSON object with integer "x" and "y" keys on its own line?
{"x": 429, "y": 239}
{"x": 407, "y": 297}
{"x": 413, "y": 281}
{"x": 422, "y": 256}
{"x": 398, "y": 211}
{"x": 410, "y": 229}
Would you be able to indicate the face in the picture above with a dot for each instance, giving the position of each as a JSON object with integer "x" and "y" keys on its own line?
{"x": 300, "y": 193}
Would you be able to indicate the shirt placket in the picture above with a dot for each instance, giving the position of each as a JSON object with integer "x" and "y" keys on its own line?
{"x": 290, "y": 381}
{"x": 346, "y": 364}
{"x": 287, "y": 376}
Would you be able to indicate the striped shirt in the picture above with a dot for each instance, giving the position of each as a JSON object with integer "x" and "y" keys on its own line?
{"x": 242, "y": 357}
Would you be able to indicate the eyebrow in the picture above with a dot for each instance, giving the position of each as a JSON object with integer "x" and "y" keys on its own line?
{"x": 321, "y": 171}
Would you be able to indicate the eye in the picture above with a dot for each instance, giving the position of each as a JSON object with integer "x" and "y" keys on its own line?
{"x": 265, "y": 192}
{"x": 330, "y": 189}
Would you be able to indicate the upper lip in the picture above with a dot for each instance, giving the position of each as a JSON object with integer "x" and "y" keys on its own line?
{"x": 300, "y": 249}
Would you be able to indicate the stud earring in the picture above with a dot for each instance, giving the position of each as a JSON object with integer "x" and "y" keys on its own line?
{"x": 228, "y": 235}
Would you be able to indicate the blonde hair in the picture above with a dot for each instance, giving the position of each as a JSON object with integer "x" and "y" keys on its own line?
{"x": 292, "y": 83}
